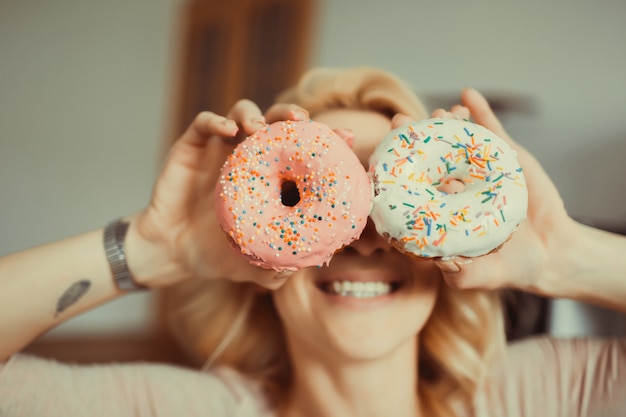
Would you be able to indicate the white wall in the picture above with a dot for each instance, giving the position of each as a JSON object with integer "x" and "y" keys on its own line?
{"x": 569, "y": 56}
{"x": 86, "y": 89}
{"x": 84, "y": 103}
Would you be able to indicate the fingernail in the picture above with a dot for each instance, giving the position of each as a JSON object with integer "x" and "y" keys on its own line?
{"x": 396, "y": 117}
{"x": 259, "y": 123}
{"x": 299, "y": 115}
{"x": 347, "y": 135}
{"x": 463, "y": 261}
{"x": 448, "y": 266}
{"x": 283, "y": 275}
{"x": 231, "y": 125}
{"x": 400, "y": 119}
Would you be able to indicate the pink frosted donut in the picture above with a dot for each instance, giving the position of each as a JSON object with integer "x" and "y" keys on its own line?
{"x": 291, "y": 195}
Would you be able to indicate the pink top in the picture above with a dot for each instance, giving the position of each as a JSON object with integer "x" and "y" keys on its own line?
{"x": 540, "y": 377}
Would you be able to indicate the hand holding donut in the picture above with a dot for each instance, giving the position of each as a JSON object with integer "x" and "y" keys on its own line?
{"x": 532, "y": 253}
{"x": 177, "y": 236}
{"x": 445, "y": 187}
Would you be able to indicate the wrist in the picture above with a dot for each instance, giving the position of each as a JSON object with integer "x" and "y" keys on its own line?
{"x": 149, "y": 257}
{"x": 587, "y": 266}
{"x": 563, "y": 256}
{"x": 115, "y": 250}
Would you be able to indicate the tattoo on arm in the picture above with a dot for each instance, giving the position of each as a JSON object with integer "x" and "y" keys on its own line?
{"x": 72, "y": 295}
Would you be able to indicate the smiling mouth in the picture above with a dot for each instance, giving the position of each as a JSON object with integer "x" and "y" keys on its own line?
{"x": 358, "y": 289}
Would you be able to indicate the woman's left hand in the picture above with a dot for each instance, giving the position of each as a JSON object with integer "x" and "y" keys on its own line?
{"x": 534, "y": 251}
{"x": 550, "y": 254}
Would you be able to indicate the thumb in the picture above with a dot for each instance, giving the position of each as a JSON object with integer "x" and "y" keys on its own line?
{"x": 271, "y": 279}
{"x": 451, "y": 271}
{"x": 463, "y": 273}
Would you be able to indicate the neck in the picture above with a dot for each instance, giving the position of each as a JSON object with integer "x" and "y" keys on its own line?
{"x": 332, "y": 387}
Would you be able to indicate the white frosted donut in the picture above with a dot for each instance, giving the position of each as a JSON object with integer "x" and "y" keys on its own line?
{"x": 416, "y": 164}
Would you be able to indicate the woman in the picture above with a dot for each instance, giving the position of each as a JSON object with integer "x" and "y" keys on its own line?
{"x": 279, "y": 345}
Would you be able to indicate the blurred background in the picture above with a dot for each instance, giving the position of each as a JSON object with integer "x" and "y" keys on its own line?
{"x": 92, "y": 93}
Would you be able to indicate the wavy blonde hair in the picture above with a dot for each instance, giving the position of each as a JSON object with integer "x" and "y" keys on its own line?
{"x": 236, "y": 325}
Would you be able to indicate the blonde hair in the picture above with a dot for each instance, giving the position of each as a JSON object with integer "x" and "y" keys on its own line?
{"x": 236, "y": 325}
{"x": 365, "y": 88}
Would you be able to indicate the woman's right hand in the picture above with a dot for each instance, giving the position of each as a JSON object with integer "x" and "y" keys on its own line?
{"x": 177, "y": 237}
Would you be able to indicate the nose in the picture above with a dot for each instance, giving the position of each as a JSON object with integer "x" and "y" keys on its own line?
{"x": 370, "y": 242}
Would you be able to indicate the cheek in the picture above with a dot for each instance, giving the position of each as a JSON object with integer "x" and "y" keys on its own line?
{"x": 423, "y": 290}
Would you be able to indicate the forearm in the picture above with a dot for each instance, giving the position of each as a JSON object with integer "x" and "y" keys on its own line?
{"x": 591, "y": 268}
{"x": 44, "y": 286}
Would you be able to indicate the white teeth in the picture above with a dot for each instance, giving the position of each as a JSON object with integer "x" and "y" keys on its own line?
{"x": 358, "y": 289}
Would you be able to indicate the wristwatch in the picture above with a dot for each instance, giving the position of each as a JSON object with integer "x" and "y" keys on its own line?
{"x": 114, "y": 246}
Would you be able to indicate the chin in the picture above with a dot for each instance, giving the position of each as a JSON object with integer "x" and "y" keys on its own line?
{"x": 368, "y": 343}
{"x": 357, "y": 308}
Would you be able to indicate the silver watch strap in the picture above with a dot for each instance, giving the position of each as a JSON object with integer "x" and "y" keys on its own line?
{"x": 114, "y": 246}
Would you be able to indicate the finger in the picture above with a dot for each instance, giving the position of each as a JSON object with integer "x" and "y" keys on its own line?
{"x": 441, "y": 113}
{"x": 273, "y": 280}
{"x": 206, "y": 125}
{"x": 400, "y": 119}
{"x": 284, "y": 111}
{"x": 482, "y": 113}
{"x": 347, "y": 135}
{"x": 447, "y": 265}
{"x": 460, "y": 112}
{"x": 247, "y": 115}
{"x": 466, "y": 273}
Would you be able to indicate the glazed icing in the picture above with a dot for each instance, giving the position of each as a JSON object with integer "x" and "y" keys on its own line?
{"x": 410, "y": 168}
{"x": 292, "y": 194}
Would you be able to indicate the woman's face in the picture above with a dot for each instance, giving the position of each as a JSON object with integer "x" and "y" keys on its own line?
{"x": 324, "y": 310}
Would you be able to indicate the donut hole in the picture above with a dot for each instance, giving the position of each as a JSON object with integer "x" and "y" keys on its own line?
{"x": 451, "y": 186}
{"x": 289, "y": 193}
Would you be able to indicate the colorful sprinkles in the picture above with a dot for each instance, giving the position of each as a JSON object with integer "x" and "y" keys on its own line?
{"x": 410, "y": 170}
{"x": 329, "y": 204}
